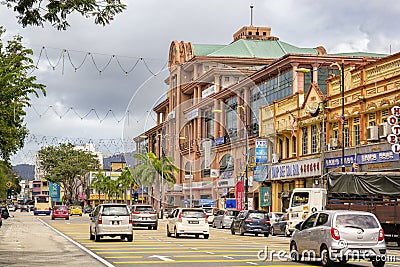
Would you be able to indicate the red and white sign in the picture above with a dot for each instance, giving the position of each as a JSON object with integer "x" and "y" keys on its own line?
{"x": 239, "y": 193}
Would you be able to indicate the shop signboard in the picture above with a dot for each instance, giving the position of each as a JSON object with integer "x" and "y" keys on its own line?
{"x": 260, "y": 173}
{"x": 265, "y": 196}
{"x": 296, "y": 169}
{"x": 239, "y": 193}
{"x": 261, "y": 151}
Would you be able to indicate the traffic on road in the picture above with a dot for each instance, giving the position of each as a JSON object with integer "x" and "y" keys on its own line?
{"x": 161, "y": 247}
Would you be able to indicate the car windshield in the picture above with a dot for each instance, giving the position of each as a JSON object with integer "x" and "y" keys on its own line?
{"x": 76, "y": 207}
{"x": 300, "y": 198}
{"x": 193, "y": 214}
{"x": 60, "y": 208}
{"x": 356, "y": 220}
{"x": 257, "y": 215}
{"x": 232, "y": 212}
{"x": 144, "y": 208}
{"x": 115, "y": 211}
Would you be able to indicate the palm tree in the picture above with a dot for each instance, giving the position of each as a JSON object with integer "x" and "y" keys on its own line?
{"x": 98, "y": 183}
{"x": 127, "y": 180}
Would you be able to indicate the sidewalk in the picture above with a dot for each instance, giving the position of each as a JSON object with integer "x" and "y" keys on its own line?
{"x": 25, "y": 241}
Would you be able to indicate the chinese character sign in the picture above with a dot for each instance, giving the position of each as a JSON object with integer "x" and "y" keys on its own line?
{"x": 239, "y": 195}
{"x": 261, "y": 151}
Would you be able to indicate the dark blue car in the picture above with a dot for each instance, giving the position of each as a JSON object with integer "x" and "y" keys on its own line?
{"x": 251, "y": 221}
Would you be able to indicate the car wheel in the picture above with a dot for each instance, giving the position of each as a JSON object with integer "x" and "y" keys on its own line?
{"x": 272, "y": 231}
{"x": 255, "y": 234}
{"x": 378, "y": 263}
{"x": 326, "y": 260}
{"x": 129, "y": 238}
{"x": 96, "y": 237}
{"x": 149, "y": 227}
{"x": 266, "y": 234}
{"x": 221, "y": 226}
{"x": 241, "y": 231}
{"x": 52, "y": 218}
{"x": 176, "y": 233}
{"x": 168, "y": 232}
{"x": 197, "y": 235}
{"x": 155, "y": 227}
{"x": 294, "y": 254}
{"x": 67, "y": 218}
{"x": 91, "y": 235}
{"x": 213, "y": 225}
{"x": 206, "y": 236}
{"x": 232, "y": 230}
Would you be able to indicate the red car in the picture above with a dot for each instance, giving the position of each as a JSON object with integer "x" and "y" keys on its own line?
{"x": 60, "y": 211}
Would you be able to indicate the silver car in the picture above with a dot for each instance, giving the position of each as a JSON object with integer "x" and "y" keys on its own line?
{"x": 339, "y": 235}
{"x": 111, "y": 220}
{"x": 224, "y": 218}
{"x": 144, "y": 215}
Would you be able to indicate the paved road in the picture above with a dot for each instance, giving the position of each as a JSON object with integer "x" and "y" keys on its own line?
{"x": 26, "y": 241}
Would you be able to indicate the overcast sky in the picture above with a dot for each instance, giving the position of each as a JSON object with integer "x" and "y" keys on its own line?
{"x": 145, "y": 30}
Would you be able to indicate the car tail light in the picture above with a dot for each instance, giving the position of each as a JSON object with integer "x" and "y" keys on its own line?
{"x": 135, "y": 212}
{"x": 381, "y": 235}
{"x": 130, "y": 218}
{"x": 248, "y": 220}
{"x": 35, "y": 208}
{"x": 305, "y": 207}
{"x": 267, "y": 222}
{"x": 100, "y": 220}
{"x": 205, "y": 216}
{"x": 287, "y": 216}
{"x": 153, "y": 212}
{"x": 335, "y": 233}
{"x": 180, "y": 217}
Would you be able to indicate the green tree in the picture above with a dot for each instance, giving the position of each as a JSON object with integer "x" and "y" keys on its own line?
{"x": 36, "y": 12}
{"x": 16, "y": 85}
{"x": 127, "y": 180}
{"x": 98, "y": 183}
{"x": 64, "y": 165}
{"x": 7, "y": 175}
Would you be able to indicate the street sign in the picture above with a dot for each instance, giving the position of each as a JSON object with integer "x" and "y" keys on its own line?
{"x": 9, "y": 184}
{"x": 188, "y": 176}
{"x": 185, "y": 202}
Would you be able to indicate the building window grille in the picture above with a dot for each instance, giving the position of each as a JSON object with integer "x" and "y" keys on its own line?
{"x": 314, "y": 143}
{"x": 304, "y": 141}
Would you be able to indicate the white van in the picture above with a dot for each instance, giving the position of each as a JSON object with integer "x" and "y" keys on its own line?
{"x": 304, "y": 202}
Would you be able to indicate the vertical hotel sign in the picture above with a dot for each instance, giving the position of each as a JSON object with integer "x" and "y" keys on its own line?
{"x": 261, "y": 151}
{"x": 239, "y": 192}
{"x": 393, "y": 138}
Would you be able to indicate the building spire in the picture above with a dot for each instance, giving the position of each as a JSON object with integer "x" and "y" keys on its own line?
{"x": 251, "y": 15}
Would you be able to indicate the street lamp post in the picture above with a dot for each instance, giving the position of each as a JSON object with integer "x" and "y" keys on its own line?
{"x": 162, "y": 178}
{"x": 341, "y": 69}
{"x": 190, "y": 173}
{"x": 246, "y": 179}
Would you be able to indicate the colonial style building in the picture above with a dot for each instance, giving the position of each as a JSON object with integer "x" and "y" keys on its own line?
{"x": 212, "y": 125}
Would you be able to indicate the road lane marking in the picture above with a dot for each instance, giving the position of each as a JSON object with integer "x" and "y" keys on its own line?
{"x": 91, "y": 253}
{"x": 163, "y": 258}
{"x": 229, "y": 257}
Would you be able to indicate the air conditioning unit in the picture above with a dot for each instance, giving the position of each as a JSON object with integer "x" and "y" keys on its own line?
{"x": 275, "y": 158}
{"x": 384, "y": 129}
{"x": 333, "y": 143}
{"x": 372, "y": 133}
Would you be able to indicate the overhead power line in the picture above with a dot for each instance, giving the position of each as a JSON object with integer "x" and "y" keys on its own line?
{"x": 65, "y": 55}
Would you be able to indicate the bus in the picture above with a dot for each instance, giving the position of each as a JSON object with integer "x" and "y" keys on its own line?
{"x": 42, "y": 205}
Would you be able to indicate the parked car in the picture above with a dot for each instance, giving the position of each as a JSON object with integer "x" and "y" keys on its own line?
{"x": 4, "y": 212}
{"x": 75, "y": 210}
{"x": 144, "y": 215}
{"x": 210, "y": 214}
{"x": 87, "y": 209}
{"x": 24, "y": 207}
{"x": 224, "y": 218}
{"x": 11, "y": 207}
{"x": 281, "y": 226}
{"x": 251, "y": 221}
{"x": 60, "y": 212}
{"x": 111, "y": 220}
{"x": 339, "y": 235}
{"x": 275, "y": 216}
{"x": 191, "y": 221}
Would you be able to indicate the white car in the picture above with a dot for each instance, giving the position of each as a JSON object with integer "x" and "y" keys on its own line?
{"x": 210, "y": 214}
{"x": 188, "y": 221}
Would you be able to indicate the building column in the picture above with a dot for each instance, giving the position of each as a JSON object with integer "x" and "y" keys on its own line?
{"x": 216, "y": 119}
{"x": 296, "y": 77}
{"x": 216, "y": 82}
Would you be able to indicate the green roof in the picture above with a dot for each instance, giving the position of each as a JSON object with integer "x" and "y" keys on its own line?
{"x": 205, "y": 49}
{"x": 360, "y": 54}
{"x": 251, "y": 49}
